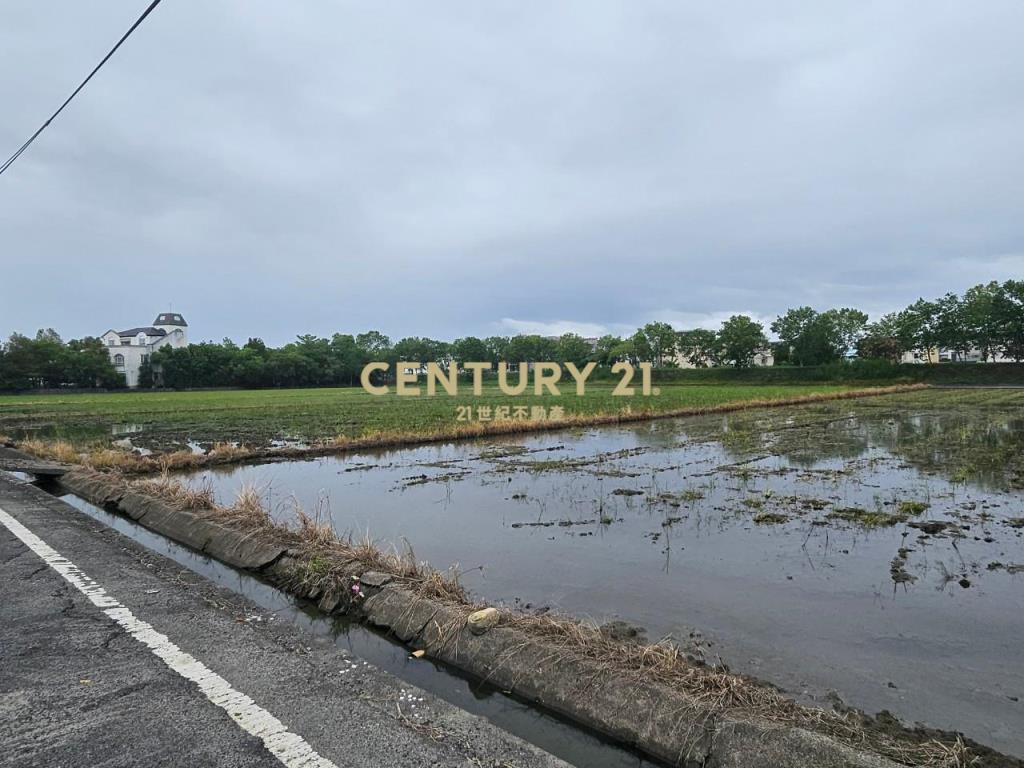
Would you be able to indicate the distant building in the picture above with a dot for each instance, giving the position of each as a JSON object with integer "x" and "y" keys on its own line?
{"x": 917, "y": 356}
{"x": 762, "y": 358}
{"x": 935, "y": 355}
{"x": 129, "y": 349}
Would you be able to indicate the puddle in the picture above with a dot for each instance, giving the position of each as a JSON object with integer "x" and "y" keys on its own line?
{"x": 125, "y": 429}
{"x": 866, "y": 548}
{"x": 547, "y": 731}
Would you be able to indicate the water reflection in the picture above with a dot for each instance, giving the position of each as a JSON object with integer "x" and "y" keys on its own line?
{"x": 785, "y": 535}
{"x": 982, "y": 446}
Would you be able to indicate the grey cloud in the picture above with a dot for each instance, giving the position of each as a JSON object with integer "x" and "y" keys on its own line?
{"x": 442, "y": 169}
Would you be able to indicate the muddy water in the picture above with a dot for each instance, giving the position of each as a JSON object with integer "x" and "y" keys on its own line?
{"x": 866, "y": 551}
{"x": 547, "y": 731}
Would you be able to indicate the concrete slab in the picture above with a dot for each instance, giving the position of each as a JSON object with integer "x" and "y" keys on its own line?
{"x": 12, "y": 460}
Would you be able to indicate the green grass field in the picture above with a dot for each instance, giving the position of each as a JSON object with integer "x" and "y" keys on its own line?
{"x": 166, "y": 420}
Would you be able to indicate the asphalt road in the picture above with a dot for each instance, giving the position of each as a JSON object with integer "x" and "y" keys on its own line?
{"x": 111, "y": 655}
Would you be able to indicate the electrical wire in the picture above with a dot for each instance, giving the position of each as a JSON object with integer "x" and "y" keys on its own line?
{"x": 34, "y": 136}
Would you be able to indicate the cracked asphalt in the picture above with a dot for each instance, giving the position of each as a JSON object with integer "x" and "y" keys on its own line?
{"x": 77, "y": 690}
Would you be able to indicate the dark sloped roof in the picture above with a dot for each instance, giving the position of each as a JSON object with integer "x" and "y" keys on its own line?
{"x": 170, "y": 318}
{"x": 149, "y": 331}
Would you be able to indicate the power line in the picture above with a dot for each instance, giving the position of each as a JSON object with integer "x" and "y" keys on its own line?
{"x": 23, "y": 147}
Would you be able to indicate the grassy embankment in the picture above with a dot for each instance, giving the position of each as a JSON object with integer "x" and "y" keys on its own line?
{"x": 240, "y": 424}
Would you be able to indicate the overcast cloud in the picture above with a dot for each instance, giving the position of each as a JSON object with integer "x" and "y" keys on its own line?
{"x": 456, "y": 168}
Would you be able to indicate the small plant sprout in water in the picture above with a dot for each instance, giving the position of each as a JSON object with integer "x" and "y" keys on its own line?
{"x": 691, "y": 495}
{"x": 912, "y": 508}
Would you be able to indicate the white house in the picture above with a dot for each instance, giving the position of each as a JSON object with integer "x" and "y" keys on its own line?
{"x": 128, "y": 349}
{"x": 935, "y": 355}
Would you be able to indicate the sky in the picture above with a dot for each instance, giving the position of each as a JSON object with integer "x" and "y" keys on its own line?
{"x": 464, "y": 168}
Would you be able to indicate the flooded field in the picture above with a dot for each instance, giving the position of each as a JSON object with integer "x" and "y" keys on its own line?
{"x": 869, "y": 552}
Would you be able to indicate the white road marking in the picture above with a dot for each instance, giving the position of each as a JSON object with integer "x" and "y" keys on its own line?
{"x": 290, "y": 748}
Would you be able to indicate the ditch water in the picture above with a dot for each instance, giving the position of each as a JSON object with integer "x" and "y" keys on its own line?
{"x": 565, "y": 740}
{"x": 871, "y": 551}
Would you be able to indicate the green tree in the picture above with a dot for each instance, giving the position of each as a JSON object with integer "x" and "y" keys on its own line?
{"x": 741, "y": 339}
{"x": 642, "y": 350}
{"x": 257, "y": 345}
{"x": 87, "y": 364}
{"x": 698, "y": 347}
{"x": 604, "y": 350}
{"x": 781, "y": 352}
{"x": 791, "y": 328}
{"x": 374, "y": 344}
{"x": 813, "y": 338}
{"x": 951, "y": 328}
{"x": 1009, "y": 311}
{"x": 250, "y": 368}
{"x": 981, "y": 317}
{"x": 917, "y": 328}
{"x": 318, "y": 352}
{"x": 414, "y": 349}
{"x": 35, "y": 362}
{"x": 845, "y": 327}
{"x": 147, "y": 379}
{"x": 470, "y": 349}
{"x": 288, "y": 367}
{"x": 497, "y": 350}
{"x": 659, "y": 342}
{"x": 573, "y": 348}
{"x": 879, "y": 347}
{"x": 346, "y": 359}
{"x": 530, "y": 348}
{"x": 625, "y": 351}
{"x": 882, "y": 339}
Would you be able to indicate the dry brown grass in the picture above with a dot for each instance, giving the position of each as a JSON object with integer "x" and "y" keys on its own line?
{"x": 326, "y": 564}
{"x": 52, "y": 450}
{"x": 246, "y": 511}
{"x": 315, "y": 530}
{"x": 178, "y": 494}
{"x": 176, "y": 460}
{"x": 445, "y": 586}
{"x": 228, "y": 452}
{"x": 112, "y": 458}
{"x": 106, "y": 459}
{"x": 957, "y": 754}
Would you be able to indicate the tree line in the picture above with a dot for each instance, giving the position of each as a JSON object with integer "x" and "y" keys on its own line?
{"x": 339, "y": 360}
{"x": 988, "y": 318}
{"x": 46, "y": 361}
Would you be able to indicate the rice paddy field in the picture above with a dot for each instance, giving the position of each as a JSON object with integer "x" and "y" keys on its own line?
{"x": 167, "y": 421}
{"x": 853, "y": 551}
{"x": 864, "y": 552}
